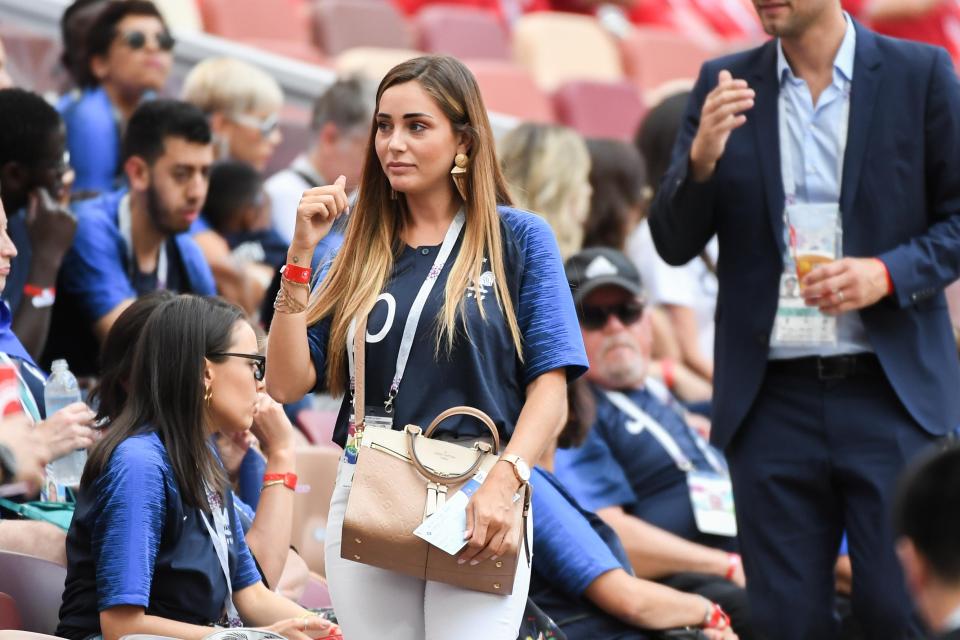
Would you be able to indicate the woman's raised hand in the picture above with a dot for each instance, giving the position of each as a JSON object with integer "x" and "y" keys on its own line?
{"x": 318, "y": 209}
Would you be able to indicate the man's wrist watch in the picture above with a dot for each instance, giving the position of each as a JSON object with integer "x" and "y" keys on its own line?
{"x": 520, "y": 467}
{"x": 8, "y": 465}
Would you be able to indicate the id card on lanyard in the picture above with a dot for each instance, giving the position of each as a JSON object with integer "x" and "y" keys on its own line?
{"x": 813, "y": 236}
{"x": 125, "y": 222}
{"x": 383, "y": 416}
{"x": 711, "y": 494}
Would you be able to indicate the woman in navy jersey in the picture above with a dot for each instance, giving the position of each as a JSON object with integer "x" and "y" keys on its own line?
{"x": 466, "y": 304}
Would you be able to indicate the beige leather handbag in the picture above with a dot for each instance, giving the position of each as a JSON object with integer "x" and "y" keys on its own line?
{"x": 401, "y": 478}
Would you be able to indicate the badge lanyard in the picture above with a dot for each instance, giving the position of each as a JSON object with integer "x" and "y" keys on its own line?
{"x": 125, "y": 223}
{"x": 218, "y": 535}
{"x": 667, "y": 441}
{"x": 413, "y": 318}
{"x": 787, "y": 168}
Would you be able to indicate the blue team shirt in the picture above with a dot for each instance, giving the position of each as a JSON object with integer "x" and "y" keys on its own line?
{"x": 134, "y": 542}
{"x": 616, "y": 467}
{"x": 93, "y": 139}
{"x": 483, "y": 370}
{"x": 95, "y": 277}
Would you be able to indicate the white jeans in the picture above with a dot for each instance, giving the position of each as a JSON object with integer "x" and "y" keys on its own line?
{"x": 376, "y": 604}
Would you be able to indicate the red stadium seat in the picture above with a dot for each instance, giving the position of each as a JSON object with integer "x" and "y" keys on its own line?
{"x": 508, "y": 88}
{"x": 32, "y": 59}
{"x": 316, "y": 595}
{"x": 280, "y": 26}
{"x": 557, "y": 47}
{"x": 339, "y": 25}
{"x": 317, "y": 426}
{"x": 600, "y": 109}
{"x": 36, "y": 585}
{"x": 464, "y": 32}
{"x": 316, "y": 468}
{"x": 9, "y": 613}
{"x": 654, "y": 56}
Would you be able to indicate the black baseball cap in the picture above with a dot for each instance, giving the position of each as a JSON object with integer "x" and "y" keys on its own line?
{"x": 601, "y": 267}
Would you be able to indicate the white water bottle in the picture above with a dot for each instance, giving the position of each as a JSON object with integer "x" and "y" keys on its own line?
{"x": 60, "y": 391}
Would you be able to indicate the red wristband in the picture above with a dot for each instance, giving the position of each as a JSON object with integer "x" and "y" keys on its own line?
{"x": 33, "y": 290}
{"x": 292, "y": 272}
{"x": 886, "y": 272}
{"x": 733, "y": 563}
{"x": 666, "y": 369}
{"x": 289, "y": 480}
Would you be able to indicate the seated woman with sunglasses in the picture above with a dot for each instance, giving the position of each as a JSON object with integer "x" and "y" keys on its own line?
{"x": 155, "y": 545}
{"x": 266, "y": 516}
{"x": 127, "y": 59}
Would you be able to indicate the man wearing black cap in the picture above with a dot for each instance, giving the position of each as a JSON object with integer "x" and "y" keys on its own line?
{"x": 642, "y": 469}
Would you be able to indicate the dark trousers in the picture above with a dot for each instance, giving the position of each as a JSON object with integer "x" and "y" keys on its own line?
{"x": 815, "y": 458}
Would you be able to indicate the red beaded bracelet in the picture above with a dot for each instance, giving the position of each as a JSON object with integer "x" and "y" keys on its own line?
{"x": 289, "y": 480}
{"x": 300, "y": 275}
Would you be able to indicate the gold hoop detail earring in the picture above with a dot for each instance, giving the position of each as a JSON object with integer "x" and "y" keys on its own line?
{"x": 208, "y": 396}
{"x": 393, "y": 193}
{"x": 459, "y": 174}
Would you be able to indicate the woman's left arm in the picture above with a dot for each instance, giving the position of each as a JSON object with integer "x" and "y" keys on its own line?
{"x": 260, "y": 607}
{"x": 490, "y": 531}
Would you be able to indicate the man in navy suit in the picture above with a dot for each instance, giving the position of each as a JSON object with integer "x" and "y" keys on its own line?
{"x": 820, "y": 400}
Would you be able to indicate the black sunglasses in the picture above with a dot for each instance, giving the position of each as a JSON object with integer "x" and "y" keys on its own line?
{"x": 261, "y": 362}
{"x": 595, "y": 318}
{"x": 138, "y": 40}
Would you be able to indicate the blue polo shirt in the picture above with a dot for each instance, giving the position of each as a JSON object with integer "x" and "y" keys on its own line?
{"x": 620, "y": 465}
{"x": 96, "y": 277}
{"x": 134, "y": 542}
{"x": 93, "y": 139}
{"x": 483, "y": 370}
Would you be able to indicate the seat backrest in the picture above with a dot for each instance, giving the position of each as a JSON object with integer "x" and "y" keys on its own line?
{"x": 9, "y": 613}
{"x": 654, "y": 56}
{"x": 339, "y": 25}
{"x": 181, "y": 15}
{"x": 557, "y": 47}
{"x": 317, "y": 426}
{"x": 240, "y": 19}
{"x": 316, "y": 467}
{"x": 372, "y": 62}
{"x": 600, "y": 109}
{"x": 508, "y": 88}
{"x": 36, "y": 585}
{"x": 32, "y": 59}
{"x": 464, "y": 32}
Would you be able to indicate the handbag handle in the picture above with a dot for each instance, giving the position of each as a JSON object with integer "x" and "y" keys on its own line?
{"x": 467, "y": 411}
{"x": 414, "y": 431}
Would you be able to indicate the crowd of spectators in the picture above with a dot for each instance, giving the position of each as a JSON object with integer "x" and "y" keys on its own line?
{"x": 120, "y": 198}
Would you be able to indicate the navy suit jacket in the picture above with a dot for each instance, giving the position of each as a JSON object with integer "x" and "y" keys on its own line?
{"x": 900, "y": 201}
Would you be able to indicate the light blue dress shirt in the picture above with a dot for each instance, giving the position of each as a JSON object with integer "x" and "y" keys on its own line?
{"x": 813, "y": 134}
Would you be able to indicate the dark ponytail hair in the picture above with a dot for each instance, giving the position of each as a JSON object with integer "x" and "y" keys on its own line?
{"x": 166, "y": 391}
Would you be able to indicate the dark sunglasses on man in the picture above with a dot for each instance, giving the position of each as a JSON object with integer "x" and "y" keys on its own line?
{"x": 594, "y": 318}
{"x": 138, "y": 40}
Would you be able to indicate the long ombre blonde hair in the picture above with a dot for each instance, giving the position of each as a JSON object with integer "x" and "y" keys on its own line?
{"x": 361, "y": 269}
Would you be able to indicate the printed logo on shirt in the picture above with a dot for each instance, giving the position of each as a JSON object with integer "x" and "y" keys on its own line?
{"x": 480, "y": 289}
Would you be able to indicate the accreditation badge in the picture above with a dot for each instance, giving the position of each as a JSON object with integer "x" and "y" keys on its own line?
{"x": 813, "y": 239}
{"x": 711, "y": 496}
